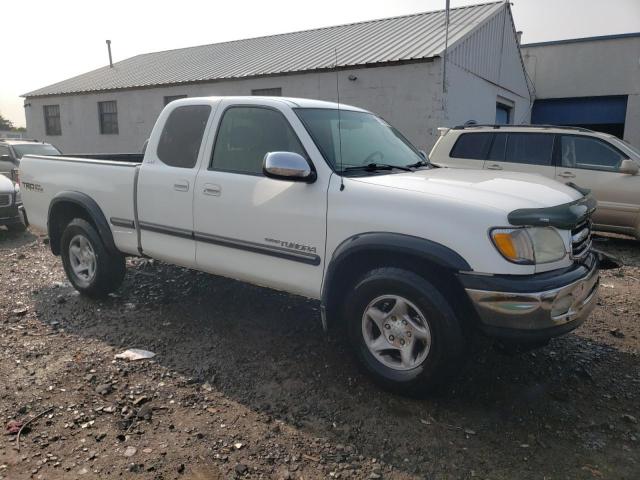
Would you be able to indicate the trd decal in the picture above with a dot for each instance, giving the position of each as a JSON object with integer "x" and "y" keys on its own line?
{"x": 34, "y": 187}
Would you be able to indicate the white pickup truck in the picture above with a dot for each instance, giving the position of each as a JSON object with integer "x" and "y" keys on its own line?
{"x": 330, "y": 202}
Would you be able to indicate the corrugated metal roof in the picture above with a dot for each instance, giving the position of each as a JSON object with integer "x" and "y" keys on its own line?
{"x": 409, "y": 37}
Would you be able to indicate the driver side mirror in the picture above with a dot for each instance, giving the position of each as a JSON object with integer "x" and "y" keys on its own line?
{"x": 288, "y": 166}
{"x": 629, "y": 167}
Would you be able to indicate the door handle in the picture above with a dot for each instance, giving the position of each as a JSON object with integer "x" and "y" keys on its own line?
{"x": 494, "y": 166}
{"x": 181, "y": 186}
{"x": 567, "y": 175}
{"x": 212, "y": 190}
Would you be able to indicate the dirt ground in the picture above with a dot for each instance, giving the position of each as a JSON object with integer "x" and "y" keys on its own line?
{"x": 245, "y": 385}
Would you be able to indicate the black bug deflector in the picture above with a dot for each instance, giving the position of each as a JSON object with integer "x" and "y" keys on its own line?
{"x": 565, "y": 216}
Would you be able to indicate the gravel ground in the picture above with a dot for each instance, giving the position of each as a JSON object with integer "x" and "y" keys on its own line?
{"x": 245, "y": 385}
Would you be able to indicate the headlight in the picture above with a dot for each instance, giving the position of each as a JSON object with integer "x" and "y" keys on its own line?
{"x": 529, "y": 246}
{"x": 18, "y": 196}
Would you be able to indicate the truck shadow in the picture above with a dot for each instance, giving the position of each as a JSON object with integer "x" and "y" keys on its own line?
{"x": 266, "y": 350}
{"x": 9, "y": 240}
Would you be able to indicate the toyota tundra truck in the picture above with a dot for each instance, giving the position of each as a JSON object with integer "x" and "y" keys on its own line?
{"x": 329, "y": 201}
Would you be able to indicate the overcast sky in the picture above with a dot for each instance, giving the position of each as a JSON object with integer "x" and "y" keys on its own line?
{"x": 47, "y": 41}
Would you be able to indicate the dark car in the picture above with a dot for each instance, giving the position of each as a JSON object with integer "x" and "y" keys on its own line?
{"x": 12, "y": 150}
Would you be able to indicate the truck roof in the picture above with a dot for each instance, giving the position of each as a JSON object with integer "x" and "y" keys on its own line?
{"x": 291, "y": 101}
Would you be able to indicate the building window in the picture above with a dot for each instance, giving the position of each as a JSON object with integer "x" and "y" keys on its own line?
{"x": 267, "y": 92}
{"x": 170, "y": 98}
{"x": 108, "y": 117}
{"x": 52, "y": 120}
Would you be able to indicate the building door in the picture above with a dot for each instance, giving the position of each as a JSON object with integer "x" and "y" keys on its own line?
{"x": 603, "y": 114}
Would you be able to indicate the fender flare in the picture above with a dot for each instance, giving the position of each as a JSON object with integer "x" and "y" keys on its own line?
{"x": 94, "y": 211}
{"x": 398, "y": 243}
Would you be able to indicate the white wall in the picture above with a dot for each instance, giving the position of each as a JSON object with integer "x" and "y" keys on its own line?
{"x": 588, "y": 69}
{"x": 470, "y": 97}
{"x": 403, "y": 94}
{"x": 585, "y": 69}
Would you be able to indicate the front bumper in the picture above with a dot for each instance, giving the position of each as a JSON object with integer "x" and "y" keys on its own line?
{"x": 534, "y": 307}
{"x": 11, "y": 215}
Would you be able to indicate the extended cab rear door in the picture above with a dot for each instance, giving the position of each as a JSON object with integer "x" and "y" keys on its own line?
{"x": 254, "y": 228}
{"x": 166, "y": 184}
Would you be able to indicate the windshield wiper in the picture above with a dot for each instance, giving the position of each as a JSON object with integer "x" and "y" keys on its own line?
{"x": 420, "y": 163}
{"x": 372, "y": 167}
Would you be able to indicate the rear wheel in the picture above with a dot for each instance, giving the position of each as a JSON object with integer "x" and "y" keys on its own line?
{"x": 403, "y": 331}
{"x": 90, "y": 268}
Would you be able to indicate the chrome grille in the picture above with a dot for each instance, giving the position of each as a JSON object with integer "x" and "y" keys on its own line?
{"x": 581, "y": 239}
{"x": 5, "y": 200}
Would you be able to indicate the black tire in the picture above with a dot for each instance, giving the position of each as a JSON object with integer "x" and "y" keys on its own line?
{"x": 447, "y": 348}
{"x": 109, "y": 269}
{"x": 21, "y": 226}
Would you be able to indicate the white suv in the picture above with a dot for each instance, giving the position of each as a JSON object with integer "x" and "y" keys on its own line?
{"x": 596, "y": 161}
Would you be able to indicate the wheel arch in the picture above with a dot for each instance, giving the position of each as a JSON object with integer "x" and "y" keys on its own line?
{"x": 361, "y": 253}
{"x": 66, "y": 206}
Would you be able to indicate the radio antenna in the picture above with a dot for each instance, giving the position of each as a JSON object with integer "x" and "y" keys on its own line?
{"x": 339, "y": 120}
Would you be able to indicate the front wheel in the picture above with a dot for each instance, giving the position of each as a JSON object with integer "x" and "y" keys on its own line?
{"x": 403, "y": 331}
{"x": 20, "y": 226}
{"x": 90, "y": 268}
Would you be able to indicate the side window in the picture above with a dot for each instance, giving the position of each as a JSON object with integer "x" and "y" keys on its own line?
{"x": 474, "y": 146}
{"x": 529, "y": 148}
{"x": 247, "y": 134}
{"x": 181, "y": 136}
{"x": 5, "y": 165}
{"x": 588, "y": 153}
{"x": 498, "y": 147}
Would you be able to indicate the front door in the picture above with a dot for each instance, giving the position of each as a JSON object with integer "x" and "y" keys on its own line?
{"x": 166, "y": 185}
{"x": 253, "y": 228}
{"x": 522, "y": 152}
{"x": 593, "y": 163}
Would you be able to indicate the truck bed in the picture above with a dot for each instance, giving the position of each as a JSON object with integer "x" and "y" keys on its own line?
{"x": 109, "y": 181}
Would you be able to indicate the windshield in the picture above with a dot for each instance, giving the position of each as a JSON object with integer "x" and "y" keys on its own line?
{"x": 364, "y": 139}
{"x": 35, "y": 149}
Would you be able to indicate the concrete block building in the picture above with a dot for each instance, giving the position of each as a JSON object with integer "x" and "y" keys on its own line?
{"x": 407, "y": 69}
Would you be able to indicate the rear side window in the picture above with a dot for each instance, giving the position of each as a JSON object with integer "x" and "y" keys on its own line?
{"x": 474, "y": 146}
{"x": 496, "y": 153}
{"x": 529, "y": 148}
{"x": 182, "y": 135}
{"x": 247, "y": 134}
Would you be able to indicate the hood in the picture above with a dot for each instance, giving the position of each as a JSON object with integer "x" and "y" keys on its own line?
{"x": 6, "y": 185}
{"x": 505, "y": 191}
